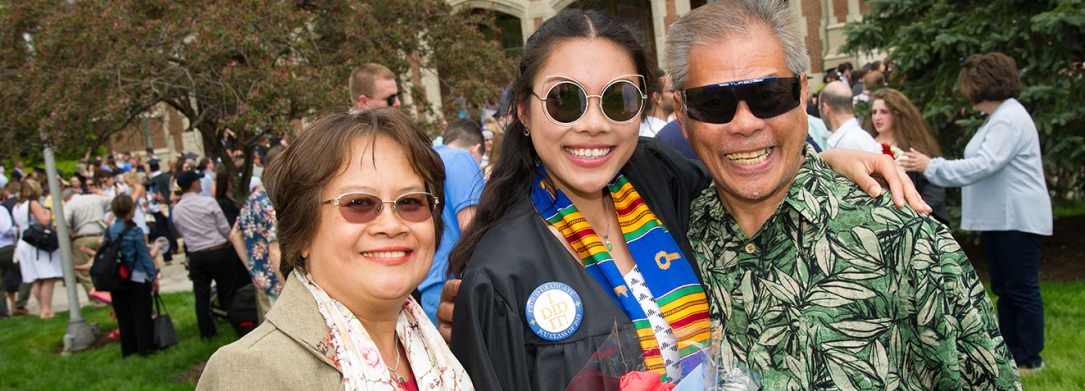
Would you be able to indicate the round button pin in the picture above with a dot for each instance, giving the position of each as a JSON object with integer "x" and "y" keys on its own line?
{"x": 554, "y": 311}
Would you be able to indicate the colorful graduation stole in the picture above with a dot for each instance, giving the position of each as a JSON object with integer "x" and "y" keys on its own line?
{"x": 668, "y": 275}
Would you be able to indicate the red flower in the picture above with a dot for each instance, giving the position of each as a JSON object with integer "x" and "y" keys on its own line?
{"x": 886, "y": 149}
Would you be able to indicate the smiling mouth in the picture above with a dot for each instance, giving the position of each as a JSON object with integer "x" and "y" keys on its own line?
{"x": 753, "y": 157}
{"x": 385, "y": 254}
{"x": 588, "y": 153}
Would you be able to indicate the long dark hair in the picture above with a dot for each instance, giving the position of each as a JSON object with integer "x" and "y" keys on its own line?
{"x": 513, "y": 173}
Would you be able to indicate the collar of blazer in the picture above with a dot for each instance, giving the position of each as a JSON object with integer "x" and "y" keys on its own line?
{"x": 296, "y": 315}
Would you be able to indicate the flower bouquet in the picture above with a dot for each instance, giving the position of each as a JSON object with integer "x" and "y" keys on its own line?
{"x": 618, "y": 365}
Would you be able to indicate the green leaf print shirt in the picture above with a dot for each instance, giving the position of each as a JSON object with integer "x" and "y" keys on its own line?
{"x": 838, "y": 290}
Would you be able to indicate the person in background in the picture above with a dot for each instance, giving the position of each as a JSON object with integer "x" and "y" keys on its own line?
{"x": 358, "y": 229}
{"x": 133, "y": 304}
{"x": 256, "y": 242}
{"x": 844, "y": 72}
{"x": 896, "y": 122}
{"x": 839, "y": 114}
{"x": 85, "y": 216}
{"x": 7, "y": 258}
{"x": 463, "y": 187}
{"x": 39, "y": 268}
{"x": 1004, "y": 196}
{"x": 207, "y": 181}
{"x": 654, "y": 117}
{"x": 201, "y": 223}
{"x": 160, "y": 192}
{"x": 492, "y": 146}
{"x": 871, "y": 80}
{"x": 224, "y": 195}
{"x": 3, "y": 178}
{"x": 374, "y": 86}
{"x": 16, "y": 290}
{"x": 17, "y": 173}
{"x": 134, "y": 180}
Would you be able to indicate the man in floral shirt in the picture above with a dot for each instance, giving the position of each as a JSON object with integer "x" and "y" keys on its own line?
{"x": 815, "y": 284}
{"x": 254, "y": 238}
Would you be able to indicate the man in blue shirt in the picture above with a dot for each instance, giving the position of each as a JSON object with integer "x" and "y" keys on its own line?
{"x": 461, "y": 154}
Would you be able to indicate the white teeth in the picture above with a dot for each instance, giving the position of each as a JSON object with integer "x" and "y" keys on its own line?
{"x": 588, "y": 153}
{"x": 750, "y": 157}
{"x": 385, "y": 254}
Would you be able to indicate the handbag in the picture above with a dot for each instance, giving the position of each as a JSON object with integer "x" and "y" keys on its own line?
{"x": 39, "y": 236}
{"x": 164, "y": 333}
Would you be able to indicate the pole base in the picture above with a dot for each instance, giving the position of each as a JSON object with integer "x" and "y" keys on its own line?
{"x": 79, "y": 335}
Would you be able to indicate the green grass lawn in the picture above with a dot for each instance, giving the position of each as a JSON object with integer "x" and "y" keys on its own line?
{"x": 1064, "y": 339}
{"x": 28, "y": 360}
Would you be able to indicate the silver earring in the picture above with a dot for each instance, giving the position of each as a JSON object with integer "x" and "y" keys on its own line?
{"x": 527, "y": 132}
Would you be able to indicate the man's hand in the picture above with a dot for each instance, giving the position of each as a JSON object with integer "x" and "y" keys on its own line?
{"x": 865, "y": 168}
{"x": 446, "y": 307}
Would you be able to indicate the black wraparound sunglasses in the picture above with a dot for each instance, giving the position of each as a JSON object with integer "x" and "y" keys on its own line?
{"x": 766, "y": 97}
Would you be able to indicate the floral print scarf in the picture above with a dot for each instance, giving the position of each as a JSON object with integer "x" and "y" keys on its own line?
{"x": 434, "y": 366}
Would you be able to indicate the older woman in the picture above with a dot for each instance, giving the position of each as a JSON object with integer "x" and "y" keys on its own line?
{"x": 357, "y": 231}
{"x": 1003, "y": 195}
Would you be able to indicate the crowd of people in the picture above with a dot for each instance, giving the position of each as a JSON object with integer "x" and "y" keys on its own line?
{"x": 675, "y": 209}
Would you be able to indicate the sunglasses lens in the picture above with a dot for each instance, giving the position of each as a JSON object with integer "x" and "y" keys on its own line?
{"x": 414, "y": 207}
{"x": 622, "y": 101}
{"x": 566, "y": 102}
{"x": 772, "y": 98}
{"x": 359, "y": 208}
{"x": 711, "y": 104}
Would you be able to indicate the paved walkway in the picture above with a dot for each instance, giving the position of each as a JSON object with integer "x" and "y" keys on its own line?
{"x": 174, "y": 279}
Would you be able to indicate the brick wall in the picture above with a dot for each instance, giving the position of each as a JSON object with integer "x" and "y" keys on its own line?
{"x": 811, "y": 10}
{"x": 840, "y": 11}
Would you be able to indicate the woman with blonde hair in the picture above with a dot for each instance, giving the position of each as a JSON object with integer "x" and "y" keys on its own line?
{"x": 896, "y": 122}
{"x": 39, "y": 268}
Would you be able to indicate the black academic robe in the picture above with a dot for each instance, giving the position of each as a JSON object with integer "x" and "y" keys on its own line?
{"x": 491, "y": 336}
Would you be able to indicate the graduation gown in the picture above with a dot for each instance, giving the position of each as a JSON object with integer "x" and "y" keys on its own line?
{"x": 490, "y": 331}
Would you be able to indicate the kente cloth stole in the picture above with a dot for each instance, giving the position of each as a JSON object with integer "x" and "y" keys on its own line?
{"x": 669, "y": 276}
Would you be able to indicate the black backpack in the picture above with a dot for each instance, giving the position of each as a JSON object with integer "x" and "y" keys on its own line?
{"x": 109, "y": 272}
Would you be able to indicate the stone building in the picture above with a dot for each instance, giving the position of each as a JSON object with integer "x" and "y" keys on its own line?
{"x": 824, "y": 21}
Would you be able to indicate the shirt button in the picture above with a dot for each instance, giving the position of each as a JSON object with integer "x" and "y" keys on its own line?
{"x": 750, "y": 248}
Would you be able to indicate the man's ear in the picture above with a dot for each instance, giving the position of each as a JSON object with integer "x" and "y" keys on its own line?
{"x": 680, "y": 114}
{"x": 476, "y": 151}
{"x": 362, "y": 103}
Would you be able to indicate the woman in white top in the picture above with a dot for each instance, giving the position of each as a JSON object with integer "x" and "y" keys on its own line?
{"x": 39, "y": 268}
{"x": 1003, "y": 195}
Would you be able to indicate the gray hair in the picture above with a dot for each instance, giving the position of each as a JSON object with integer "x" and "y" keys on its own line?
{"x": 716, "y": 22}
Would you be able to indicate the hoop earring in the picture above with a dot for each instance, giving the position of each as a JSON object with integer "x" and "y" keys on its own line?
{"x": 527, "y": 132}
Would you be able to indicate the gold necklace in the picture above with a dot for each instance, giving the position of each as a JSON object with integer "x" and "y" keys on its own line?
{"x": 606, "y": 235}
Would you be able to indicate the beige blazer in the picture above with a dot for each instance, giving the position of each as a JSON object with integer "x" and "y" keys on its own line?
{"x": 291, "y": 350}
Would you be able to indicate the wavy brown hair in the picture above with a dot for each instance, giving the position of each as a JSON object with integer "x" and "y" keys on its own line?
{"x": 910, "y": 130}
{"x": 296, "y": 178}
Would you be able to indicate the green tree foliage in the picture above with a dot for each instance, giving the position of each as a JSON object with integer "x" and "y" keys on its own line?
{"x": 929, "y": 39}
{"x": 82, "y": 70}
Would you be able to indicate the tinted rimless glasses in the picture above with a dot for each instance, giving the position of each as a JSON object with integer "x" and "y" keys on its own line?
{"x": 766, "y": 97}
{"x": 621, "y": 100}
{"x": 358, "y": 208}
